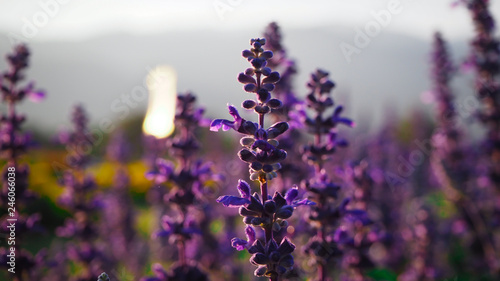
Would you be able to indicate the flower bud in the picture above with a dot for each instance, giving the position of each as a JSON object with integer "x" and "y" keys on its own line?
{"x": 275, "y": 103}
{"x": 256, "y": 166}
{"x": 273, "y": 77}
{"x": 257, "y": 63}
{"x": 267, "y": 55}
{"x": 246, "y": 155}
{"x": 263, "y": 95}
{"x": 250, "y": 88}
{"x": 274, "y": 256}
{"x": 276, "y": 227}
{"x": 259, "y": 258}
{"x": 267, "y": 168}
{"x": 270, "y": 207}
{"x": 266, "y": 71}
{"x": 250, "y": 71}
{"x": 268, "y": 87}
{"x": 246, "y": 53}
{"x": 256, "y": 221}
{"x": 249, "y": 104}
{"x": 247, "y": 141}
{"x": 260, "y": 271}
{"x": 244, "y": 212}
{"x": 285, "y": 212}
{"x": 247, "y": 220}
{"x": 246, "y": 79}
{"x": 286, "y": 261}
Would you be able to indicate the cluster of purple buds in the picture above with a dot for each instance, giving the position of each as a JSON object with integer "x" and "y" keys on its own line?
{"x": 189, "y": 179}
{"x": 327, "y": 215}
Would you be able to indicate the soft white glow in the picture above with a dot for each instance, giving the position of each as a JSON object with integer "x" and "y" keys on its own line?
{"x": 161, "y": 83}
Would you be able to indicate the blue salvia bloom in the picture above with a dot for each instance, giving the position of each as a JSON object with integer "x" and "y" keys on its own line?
{"x": 119, "y": 215}
{"x": 450, "y": 163}
{"x": 293, "y": 169}
{"x": 447, "y": 136}
{"x": 357, "y": 234}
{"x": 80, "y": 198}
{"x": 485, "y": 58}
{"x": 189, "y": 179}
{"x": 273, "y": 258}
{"x": 13, "y": 143}
{"x": 327, "y": 214}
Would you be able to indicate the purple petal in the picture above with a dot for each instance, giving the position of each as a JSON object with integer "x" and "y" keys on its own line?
{"x": 342, "y": 206}
{"x": 159, "y": 271}
{"x": 346, "y": 121}
{"x": 216, "y": 125}
{"x": 234, "y": 112}
{"x": 222, "y": 123}
{"x": 167, "y": 223}
{"x": 250, "y": 232}
{"x": 358, "y": 216}
{"x": 338, "y": 110}
{"x": 341, "y": 236}
{"x": 160, "y": 233}
{"x": 302, "y": 202}
{"x": 245, "y": 79}
{"x": 232, "y": 201}
{"x": 291, "y": 194}
{"x": 36, "y": 96}
{"x": 165, "y": 167}
{"x": 238, "y": 243}
{"x": 244, "y": 189}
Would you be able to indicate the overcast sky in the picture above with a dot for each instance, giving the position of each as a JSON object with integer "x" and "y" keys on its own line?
{"x": 111, "y": 43}
{"x": 81, "y": 19}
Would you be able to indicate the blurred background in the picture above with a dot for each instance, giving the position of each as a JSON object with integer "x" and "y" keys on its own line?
{"x": 98, "y": 53}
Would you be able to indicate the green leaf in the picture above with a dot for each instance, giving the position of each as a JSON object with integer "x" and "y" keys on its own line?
{"x": 382, "y": 274}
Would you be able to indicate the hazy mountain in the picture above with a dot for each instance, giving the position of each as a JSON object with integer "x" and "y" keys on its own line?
{"x": 392, "y": 70}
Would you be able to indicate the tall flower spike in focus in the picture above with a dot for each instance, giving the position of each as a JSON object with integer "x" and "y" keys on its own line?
{"x": 273, "y": 258}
